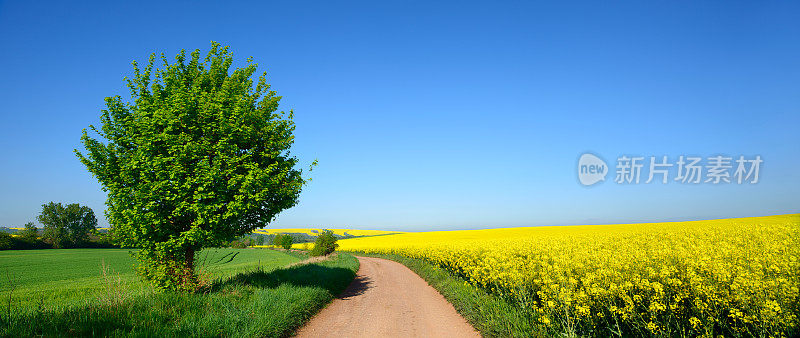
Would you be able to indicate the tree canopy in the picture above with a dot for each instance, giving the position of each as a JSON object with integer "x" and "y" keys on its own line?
{"x": 66, "y": 226}
{"x": 325, "y": 244}
{"x": 30, "y": 233}
{"x": 283, "y": 240}
{"x": 199, "y": 156}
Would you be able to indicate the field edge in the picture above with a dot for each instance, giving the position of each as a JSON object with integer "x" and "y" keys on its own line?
{"x": 490, "y": 315}
{"x": 253, "y": 302}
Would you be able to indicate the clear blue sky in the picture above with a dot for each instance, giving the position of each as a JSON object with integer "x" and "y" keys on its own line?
{"x": 437, "y": 116}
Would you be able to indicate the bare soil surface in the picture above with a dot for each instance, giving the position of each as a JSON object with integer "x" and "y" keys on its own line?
{"x": 386, "y": 299}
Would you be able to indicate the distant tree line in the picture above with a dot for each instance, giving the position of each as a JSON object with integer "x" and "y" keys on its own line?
{"x": 63, "y": 226}
{"x": 75, "y": 226}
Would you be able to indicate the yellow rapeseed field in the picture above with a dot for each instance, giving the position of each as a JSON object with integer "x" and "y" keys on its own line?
{"x": 730, "y": 276}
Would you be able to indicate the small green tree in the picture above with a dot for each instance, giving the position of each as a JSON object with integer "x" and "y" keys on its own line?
{"x": 283, "y": 240}
{"x": 199, "y": 157}
{"x": 30, "y": 233}
{"x": 259, "y": 240}
{"x": 325, "y": 244}
{"x": 66, "y": 226}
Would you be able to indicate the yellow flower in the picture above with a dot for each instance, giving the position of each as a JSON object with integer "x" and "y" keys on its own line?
{"x": 694, "y": 322}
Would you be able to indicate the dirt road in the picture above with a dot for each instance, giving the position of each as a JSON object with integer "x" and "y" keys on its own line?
{"x": 386, "y": 299}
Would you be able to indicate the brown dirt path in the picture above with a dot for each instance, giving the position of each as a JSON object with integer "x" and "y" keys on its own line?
{"x": 386, "y": 299}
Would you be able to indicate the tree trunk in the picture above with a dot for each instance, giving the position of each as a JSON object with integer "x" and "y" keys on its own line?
{"x": 189, "y": 259}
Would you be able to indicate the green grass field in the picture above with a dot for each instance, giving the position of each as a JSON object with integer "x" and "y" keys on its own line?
{"x": 66, "y": 276}
{"x": 58, "y": 292}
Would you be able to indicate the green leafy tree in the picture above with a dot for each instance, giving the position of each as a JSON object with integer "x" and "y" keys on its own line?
{"x": 30, "y": 233}
{"x": 325, "y": 244}
{"x": 66, "y": 226}
{"x": 283, "y": 240}
{"x": 277, "y": 239}
{"x": 197, "y": 158}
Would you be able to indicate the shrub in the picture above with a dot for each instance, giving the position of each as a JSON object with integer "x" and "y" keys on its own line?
{"x": 237, "y": 244}
{"x": 98, "y": 239}
{"x": 6, "y": 241}
{"x": 325, "y": 244}
{"x": 241, "y": 243}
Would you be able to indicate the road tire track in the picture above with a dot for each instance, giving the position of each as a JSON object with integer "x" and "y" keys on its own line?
{"x": 386, "y": 299}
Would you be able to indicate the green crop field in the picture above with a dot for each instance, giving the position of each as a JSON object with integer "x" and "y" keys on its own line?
{"x": 252, "y": 293}
{"x": 66, "y": 276}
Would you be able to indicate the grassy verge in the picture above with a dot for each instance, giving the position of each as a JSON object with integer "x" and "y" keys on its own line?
{"x": 262, "y": 301}
{"x": 491, "y": 315}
